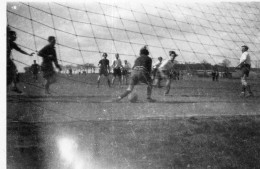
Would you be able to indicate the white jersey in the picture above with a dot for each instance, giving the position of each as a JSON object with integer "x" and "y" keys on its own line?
{"x": 245, "y": 57}
{"x": 167, "y": 65}
{"x": 127, "y": 66}
{"x": 117, "y": 63}
{"x": 157, "y": 65}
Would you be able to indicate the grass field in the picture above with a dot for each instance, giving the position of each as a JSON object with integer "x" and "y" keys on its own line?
{"x": 201, "y": 124}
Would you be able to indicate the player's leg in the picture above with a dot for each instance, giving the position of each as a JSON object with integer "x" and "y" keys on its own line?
{"x": 244, "y": 84}
{"x": 98, "y": 80}
{"x": 168, "y": 82}
{"x": 47, "y": 85}
{"x": 127, "y": 92}
{"x": 114, "y": 76}
{"x": 133, "y": 81}
{"x": 13, "y": 78}
{"x": 157, "y": 79}
{"x": 146, "y": 78}
{"x": 168, "y": 86}
{"x": 149, "y": 90}
{"x": 120, "y": 77}
{"x": 248, "y": 88}
{"x": 107, "y": 77}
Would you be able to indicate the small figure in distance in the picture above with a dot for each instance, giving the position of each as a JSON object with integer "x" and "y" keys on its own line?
{"x": 104, "y": 69}
{"x": 117, "y": 66}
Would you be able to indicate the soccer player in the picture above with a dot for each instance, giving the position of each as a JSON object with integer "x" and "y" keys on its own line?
{"x": 140, "y": 73}
{"x": 35, "y": 70}
{"x": 213, "y": 75}
{"x": 48, "y": 54}
{"x": 11, "y": 67}
{"x": 244, "y": 66}
{"x": 156, "y": 73}
{"x": 165, "y": 70}
{"x": 125, "y": 71}
{"x": 117, "y": 65}
{"x": 104, "y": 69}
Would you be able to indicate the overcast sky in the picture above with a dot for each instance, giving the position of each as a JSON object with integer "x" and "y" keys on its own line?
{"x": 196, "y": 31}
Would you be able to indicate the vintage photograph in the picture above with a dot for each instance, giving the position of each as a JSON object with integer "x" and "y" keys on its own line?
{"x": 132, "y": 85}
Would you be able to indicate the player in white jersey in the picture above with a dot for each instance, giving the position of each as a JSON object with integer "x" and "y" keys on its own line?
{"x": 117, "y": 65}
{"x": 245, "y": 66}
{"x": 165, "y": 70}
{"x": 125, "y": 71}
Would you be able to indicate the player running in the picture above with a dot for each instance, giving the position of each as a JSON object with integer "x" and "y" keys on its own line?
{"x": 11, "y": 67}
{"x": 245, "y": 66}
{"x": 117, "y": 65}
{"x": 140, "y": 73}
{"x": 165, "y": 70}
{"x": 48, "y": 54}
{"x": 104, "y": 69}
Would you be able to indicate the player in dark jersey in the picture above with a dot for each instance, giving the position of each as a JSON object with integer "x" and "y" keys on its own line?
{"x": 11, "y": 67}
{"x": 104, "y": 69}
{"x": 35, "y": 70}
{"x": 48, "y": 54}
{"x": 140, "y": 73}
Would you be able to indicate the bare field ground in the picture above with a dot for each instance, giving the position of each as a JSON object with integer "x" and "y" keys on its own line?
{"x": 201, "y": 124}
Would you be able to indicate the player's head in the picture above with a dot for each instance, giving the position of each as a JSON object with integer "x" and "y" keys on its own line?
{"x": 34, "y": 61}
{"x": 125, "y": 61}
{"x": 144, "y": 50}
{"x": 244, "y": 48}
{"x": 117, "y": 55}
{"x": 160, "y": 58}
{"x": 12, "y": 35}
{"x": 104, "y": 55}
{"x": 173, "y": 54}
{"x": 52, "y": 40}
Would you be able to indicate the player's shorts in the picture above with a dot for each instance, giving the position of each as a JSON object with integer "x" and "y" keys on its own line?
{"x": 103, "y": 72}
{"x": 48, "y": 71}
{"x": 158, "y": 75}
{"x": 165, "y": 74}
{"x": 11, "y": 71}
{"x": 245, "y": 69}
{"x": 117, "y": 72}
{"x": 125, "y": 72}
{"x": 35, "y": 72}
{"x": 140, "y": 76}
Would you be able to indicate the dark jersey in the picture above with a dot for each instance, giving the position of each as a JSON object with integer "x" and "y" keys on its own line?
{"x": 45, "y": 52}
{"x": 104, "y": 63}
{"x": 144, "y": 61}
{"x": 35, "y": 68}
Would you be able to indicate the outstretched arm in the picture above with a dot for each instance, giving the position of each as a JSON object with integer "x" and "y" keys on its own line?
{"x": 20, "y": 50}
